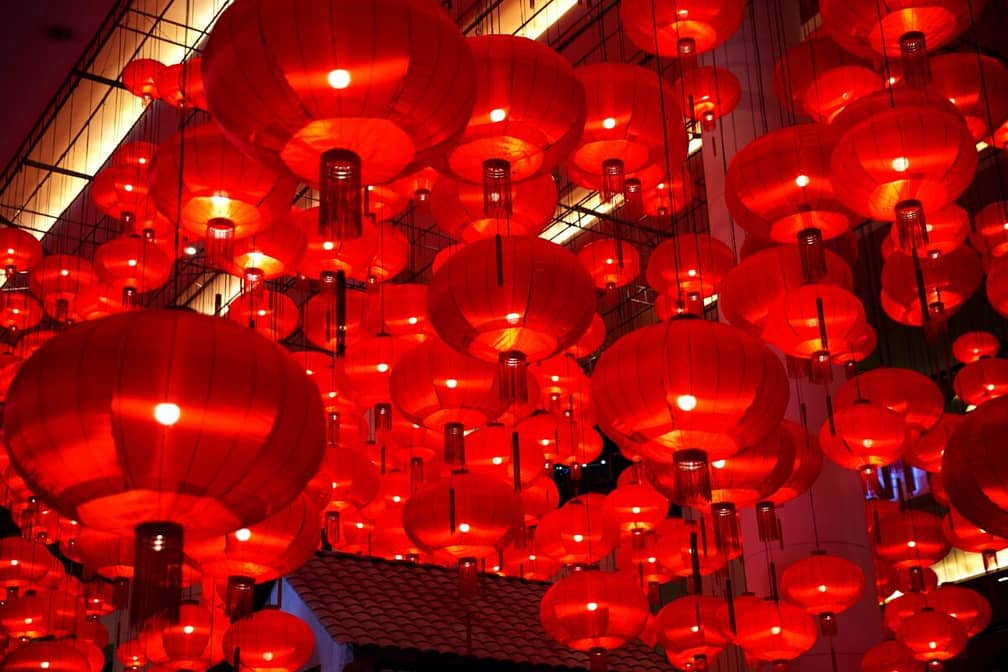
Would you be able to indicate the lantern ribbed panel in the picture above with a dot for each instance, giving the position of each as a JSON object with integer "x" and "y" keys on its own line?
{"x": 763, "y": 280}
{"x": 218, "y": 182}
{"x": 975, "y": 470}
{"x": 65, "y": 283}
{"x": 963, "y": 604}
{"x": 544, "y": 305}
{"x": 966, "y": 536}
{"x": 739, "y": 386}
{"x": 904, "y": 391}
{"x": 18, "y": 248}
{"x": 694, "y": 263}
{"x": 271, "y": 253}
{"x": 867, "y": 434}
{"x": 627, "y": 98}
{"x": 974, "y": 83}
{"x": 270, "y": 639}
{"x": 86, "y": 404}
{"x": 140, "y": 75}
{"x": 620, "y": 610}
{"x": 707, "y": 22}
{"x": 267, "y": 67}
{"x": 707, "y": 93}
{"x": 132, "y": 262}
{"x": 774, "y": 632}
{"x": 929, "y": 627}
{"x": 543, "y": 103}
{"x": 694, "y": 625}
{"x": 818, "y": 78}
{"x": 855, "y": 24}
{"x": 582, "y": 531}
{"x": 807, "y": 463}
{"x": 763, "y": 189}
{"x": 823, "y": 583}
{"x": 485, "y": 512}
{"x": 637, "y": 507}
{"x": 947, "y": 230}
{"x": 457, "y": 207}
{"x": 920, "y": 149}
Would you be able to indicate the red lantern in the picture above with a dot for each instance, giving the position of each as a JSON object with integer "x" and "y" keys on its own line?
{"x": 967, "y": 606}
{"x": 24, "y": 563}
{"x": 966, "y": 536}
{"x": 120, "y": 189}
{"x": 391, "y": 256}
{"x": 131, "y": 265}
{"x": 65, "y": 283}
{"x": 707, "y": 94}
{"x": 887, "y": 579}
{"x": 611, "y": 263}
{"x": 517, "y": 300}
{"x": 225, "y": 195}
{"x": 352, "y": 477}
{"x": 581, "y": 532}
{"x": 946, "y": 230}
{"x": 973, "y": 346}
{"x": 458, "y": 209}
{"x": 866, "y": 435}
{"x": 140, "y": 75}
{"x": 776, "y": 632}
{"x": 565, "y": 388}
{"x": 590, "y": 341}
{"x": 108, "y": 555}
{"x": 863, "y": 28}
{"x": 926, "y": 452}
{"x": 491, "y": 450}
{"x": 976, "y": 84}
{"x": 981, "y": 381}
{"x": 818, "y": 78}
{"x": 910, "y": 539}
{"x": 516, "y": 126}
{"x": 814, "y": 320}
{"x": 932, "y": 636}
{"x": 327, "y": 255}
{"x": 807, "y": 463}
{"x": 909, "y": 393}
{"x": 367, "y": 368}
{"x": 270, "y": 639}
{"x": 539, "y": 498}
{"x": 272, "y": 314}
{"x": 684, "y": 27}
{"x": 181, "y": 85}
{"x": 990, "y": 232}
{"x": 637, "y": 507}
{"x": 674, "y": 548}
{"x": 257, "y": 402}
{"x": 51, "y": 656}
{"x": 997, "y": 286}
{"x": 467, "y": 515}
{"x": 625, "y": 131}
{"x": 399, "y": 309}
{"x": 779, "y": 185}
{"x": 825, "y": 585}
{"x": 890, "y": 656}
{"x": 187, "y": 641}
{"x": 320, "y": 323}
{"x": 19, "y": 250}
{"x": 19, "y": 311}
{"x": 917, "y": 151}
{"x": 948, "y": 282}
{"x": 272, "y": 253}
{"x": 563, "y": 439}
{"x": 694, "y": 626}
{"x": 691, "y": 266}
{"x": 594, "y": 611}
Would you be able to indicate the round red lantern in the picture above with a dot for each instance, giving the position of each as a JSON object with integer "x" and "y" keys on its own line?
{"x": 186, "y": 642}
{"x": 818, "y": 78}
{"x": 491, "y": 450}
{"x": 326, "y": 255}
{"x": 257, "y": 402}
{"x": 796, "y": 326}
{"x": 997, "y": 286}
{"x": 990, "y": 231}
{"x": 948, "y": 281}
{"x": 707, "y": 94}
{"x": 399, "y": 309}
{"x": 776, "y": 632}
{"x": 140, "y": 77}
{"x": 19, "y": 311}
{"x": 543, "y": 303}
{"x": 946, "y": 230}
{"x": 975, "y": 345}
{"x": 467, "y": 515}
{"x": 391, "y": 256}
{"x": 271, "y": 640}
{"x": 108, "y": 555}
{"x": 268, "y": 254}
{"x": 692, "y": 265}
{"x": 591, "y": 340}
{"x": 806, "y": 466}
{"x": 516, "y": 124}
{"x": 320, "y": 314}
{"x": 909, "y": 393}
{"x": 680, "y": 27}
{"x": 966, "y": 606}
{"x": 926, "y": 452}
{"x": 966, "y": 536}
{"x": 19, "y": 250}
{"x": 51, "y": 656}
{"x": 582, "y": 531}
{"x": 594, "y": 611}
{"x": 65, "y": 283}
{"x": 933, "y": 636}
{"x": 977, "y": 85}
{"x": 611, "y": 263}
{"x": 458, "y": 209}
{"x": 24, "y": 563}
{"x": 981, "y": 381}
{"x": 272, "y": 314}
{"x": 181, "y": 85}
{"x": 825, "y": 585}
{"x": 637, "y": 507}
{"x": 911, "y": 539}
{"x": 674, "y": 549}
{"x": 366, "y": 369}
{"x": 694, "y": 626}
{"x": 901, "y": 147}
{"x": 863, "y": 435}
{"x": 132, "y": 265}
{"x": 889, "y": 656}
{"x": 539, "y": 498}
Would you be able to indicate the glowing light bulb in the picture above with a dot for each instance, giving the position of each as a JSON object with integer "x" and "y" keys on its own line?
{"x": 219, "y": 200}
{"x": 190, "y": 250}
{"x": 691, "y": 272}
{"x": 15, "y": 562}
{"x": 244, "y": 534}
{"x": 532, "y": 556}
{"x": 142, "y": 160}
{"x": 167, "y": 413}
{"x": 775, "y": 630}
{"x": 652, "y": 559}
{"x": 990, "y": 387}
{"x": 635, "y": 510}
{"x": 332, "y": 395}
{"x": 261, "y": 312}
{"x": 802, "y": 181}
{"x": 131, "y": 262}
{"x": 44, "y": 664}
{"x": 892, "y": 80}
{"x": 555, "y": 379}
{"x": 463, "y": 528}
{"x": 544, "y": 442}
{"x": 498, "y": 460}
{"x": 610, "y": 261}
{"x": 498, "y": 115}
{"x": 28, "y": 620}
{"x": 360, "y": 526}
{"x": 695, "y": 628}
{"x": 328, "y": 245}
{"x": 686, "y": 402}
{"x": 868, "y": 443}
{"x": 932, "y": 645}
{"x": 578, "y": 538}
{"x": 188, "y": 629}
{"x": 683, "y": 13}
{"x": 451, "y": 383}
{"x": 900, "y": 164}
{"x": 413, "y": 320}
{"x": 911, "y": 544}
{"x": 127, "y": 188}
{"x": 382, "y": 367}
{"x": 64, "y": 272}
{"x": 268, "y": 656}
{"x": 10, "y": 250}
{"x": 338, "y": 79}
{"x": 719, "y": 464}
{"x": 592, "y": 606}
{"x": 513, "y": 318}
{"x": 396, "y": 498}
{"x": 398, "y": 556}
{"x": 822, "y": 587}
{"x": 609, "y": 123}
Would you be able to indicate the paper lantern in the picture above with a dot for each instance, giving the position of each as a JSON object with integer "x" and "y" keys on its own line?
{"x": 825, "y": 585}
{"x": 19, "y": 250}
{"x": 707, "y": 93}
{"x": 910, "y": 539}
{"x": 457, "y": 207}
{"x": 889, "y": 656}
{"x": 946, "y": 230}
{"x": 491, "y": 450}
{"x": 591, "y": 340}
{"x": 131, "y": 265}
{"x": 52, "y": 656}
{"x": 691, "y": 265}
{"x": 806, "y": 466}
{"x": 272, "y": 314}
{"x": 366, "y": 369}
{"x": 966, "y": 536}
{"x": 140, "y": 75}
{"x": 694, "y": 626}
{"x": 109, "y": 555}
{"x": 320, "y": 323}
{"x": 275, "y": 252}
{"x": 391, "y": 256}
{"x": 582, "y": 531}
{"x": 932, "y": 636}
{"x": 327, "y": 255}
{"x": 399, "y": 309}
{"x": 24, "y": 563}
{"x": 19, "y": 311}
{"x": 775, "y": 632}
{"x": 866, "y": 435}
{"x": 972, "y": 346}
{"x": 637, "y": 507}
{"x": 120, "y": 188}
{"x": 948, "y": 282}
{"x": 611, "y": 263}
{"x": 909, "y": 393}
{"x": 981, "y": 381}
{"x": 186, "y": 642}
{"x": 539, "y": 498}
{"x": 674, "y": 551}
{"x": 990, "y": 231}
{"x": 270, "y": 640}
{"x": 591, "y": 610}
{"x": 794, "y": 325}
{"x": 967, "y": 606}
{"x": 181, "y": 85}
{"x": 700, "y": 25}
{"x": 65, "y": 283}
{"x": 926, "y": 452}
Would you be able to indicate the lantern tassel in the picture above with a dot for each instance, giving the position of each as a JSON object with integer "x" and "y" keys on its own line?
{"x": 341, "y": 308}
{"x": 692, "y": 475}
{"x": 766, "y": 521}
{"x": 220, "y": 237}
{"x": 454, "y": 444}
{"x": 497, "y": 188}
{"x": 513, "y": 378}
{"x": 157, "y": 579}
{"x": 613, "y": 176}
{"x": 598, "y": 660}
{"x": 468, "y": 577}
{"x": 340, "y": 206}
{"x": 727, "y": 534}
{"x": 238, "y": 598}
{"x": 828, "y": 624}
{"x": 914, "y": 59}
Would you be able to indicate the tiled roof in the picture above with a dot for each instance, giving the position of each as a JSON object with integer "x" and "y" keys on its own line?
{"x": 372, "y": 602}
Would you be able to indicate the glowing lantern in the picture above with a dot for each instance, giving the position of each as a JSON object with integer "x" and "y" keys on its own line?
{"x": 492, "y": 450}
{"x": 966, "y": 606}
{"x": 399, "y": 309}
{"x": 51, "y": 656}
{"x": 186, "y": 642}
{"x": 889, "y": 656}
{"x": 367, "y": 368}
{"x": 326, "y": 255}
{"x": 591, "y": 340}
{"x": 270, "y": 640}
{"x": 391, "y": 256}
{"x": 966, "y": 536}
{"x": 981, "y": 381}
{"x": 911, "y": 539}
{"x": 181, "y": 85}
{"x": 866, "y": 435}
{"x": 948, "y": 281}
{"x": 321, "y": 318}
{"x": 685, "y": 27}
{"x": 131, "y": 265}
{"x": 690, "y": 267}
{"x": 19, "y": 250}
{"x": 140, "y": 77}
{"x": 932, "y": 636}
{"x": 108, "y": 555}
{"x": 774, "y": 632}
{"x": 457, "y": 207}
{"x": 674, "y": 549}
{"x": 272, "y": 314}
{"x": 910, "y": 393}
{"x": 694, "y": 626}
{"x": 637, "y": 507}
{"x": 976, "y": 84}
{"x": 24, "y": 563}
{"x": 975, "y": 345}
{"x": 272, "y": 253}
{"x": 611, "y": 263}
{"x": 825, "y": 585}
{"x": 814, "y": 320}
{"x": 990, "y": 227}
{"x": 946, "y": 230}
{"x": 19, "y": 311}
{"x": 926, "y": 452}
{"x": 806, "y": 466}
{"x": 539, "y": 498}
{"x": 707, "y": 94}
{"x": 65, "y": 283}
{"x": 582, "y": 531}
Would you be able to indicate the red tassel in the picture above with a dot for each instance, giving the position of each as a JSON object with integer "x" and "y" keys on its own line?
{"x": 341, "y": 209}
{"x": 812, "y": 255}
{"x": 828, "y": 624}
{"x": 612, "y": 178}
{"x": 633, "y": 199}
{"x": 598, "y": 660}
{"x": 454, "y": 443}
{"x": 220, "y": 237}
{"x": 238, "y": 598}
{"x": 333, "y": 528}
{"x": 911, "y": 228}
{"x": 692, "y": 475}
{"x": 727, "y": 533}
{"x": 497, "y": 188}
{"x": 914, "y": 58}
{"x": 468, "y": 577}
{"x": 157, "y": 579}
{"x": 513, "y": 370}
{"x": 766, "y": 521}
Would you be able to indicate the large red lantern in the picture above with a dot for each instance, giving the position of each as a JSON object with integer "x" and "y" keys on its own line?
{"x": 517, "y": 129}
{"x": 889, "y": 656}
{"x": 51, "y": 656}
{"x": 694, "y": 627}
{"x": 933, "y": 636}
{"x": 977, "y": 85}
{"x": 825, "y": 585}
{"x": 974, "y": 471}
{"x": 900, "y": 149}
{"x": 815, "y": 320}
{"x": 966, "y": 606}
{"x": 637, "y": 507}
{"x": 132, "y": 265}
{"x": 910, "y": 539}
{"x": 819, "y": 79}
{"x": 966, "y": 536}
{"x": 270, "y": 640}
{"x": 680, "y": 27}
{"x": 948, "y": 281}
{"x": 257, "y": 401}
{"x": 269, "y": 254}
{"x": 594, "y": 611}
{"x": 777, "y": 632}
{"x": 910, "y": 393}
{"x": 521, "y": 299}
{"x": 65, "y": 283}
{"x": 863, "y": 435}
{"x": 366, "y": 98}
{"x": 458, "y": 208}
{"x": 467, "y": 515}
{"x": 225, "y": 195}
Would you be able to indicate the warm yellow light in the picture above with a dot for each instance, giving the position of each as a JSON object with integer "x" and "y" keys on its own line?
{"x": 578, "y": 538}
{"x": 328, "y": 245}
{"x": 463, "y": 528}
{"x": 413, "y": 320}
{"x": 718, "y": 464}
{"x": 555, "y": 379}
{"x": 262, "y": 313}
{"x": 498, "y": 460}
{"x": 802, "y": 181}
{"x": 686, "y": 402}
{"x": 609, "y": 123}
{"x": 451, "y": 383}
{"x": 382, "y": 367}
{"x": 900, "y": 164}
{"x": 513, "y": 318}
{"x": 592, "y": 606}
{"x": 167, "y": 413}
{"x": 775, "y": 630}
{"x": 244, "y": 534}
{"x": 498, "y": 115}
{"x": 188, "y": 629}
{"x": 338, "y": 79}
{"x": 912, "y": 544}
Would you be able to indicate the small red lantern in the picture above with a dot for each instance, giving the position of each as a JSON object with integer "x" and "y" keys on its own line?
{"x": 911, "y": 539}
{"x": 140, "y": 77}
{"x": 186, "y": 642}
{"x": 51, "y": 656}
{"x": 272, "y": 314}
{"x": 19, "y": 250}
{"x": 491, "y": 450}
{"x": 910, "y": 393}
{"x": 825, "y": 585}
{"x": 270, "y": 639}
{"x": 932, "y": 636}
{"x": 966, "y": 606}
{"x": 181, "y": 85}
{"x": 458, "y": 208}
{"x": 707, "y": 94}
{"x": 321, "y": 313}
{"x": 815, "y": 320}
{"x": 889, "y": 656}
{"x": 981, "y": 381}
{"x": 694, "y": 626}
{"x": 977, "y": 85}
{"x": 975, "y": 345}
{"x": 581, "y": 532}
{"x": 66, "y": 285}
{"x": 684, "y": 27}
{"x": 269, "y": 254}
{"x": 132, "y": 265}
{"x": 866, "y": 435}
{"x": 690, "y": 267}
{"x": 611, "y": 263}
{"x": 637, "y": 507}
{"x": 777, "y": 632}
{"x": 944, "y": 232}
{"x": 926, "y": 452}
{"x": 990, "y": 231}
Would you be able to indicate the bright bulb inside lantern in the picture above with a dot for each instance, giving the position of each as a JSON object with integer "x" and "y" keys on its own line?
{"x": 463, "y": 528}
{"x": 339, "y": 78}
{"x": 261, "y": 312}
{"x": 544, "y": 442}
{"x": 328, "y": 245}
{"x": 822, "y": 587}
{"x": 555, "y": 379}
{"x": 610, "y": 261}
{"x": 686, "y": 402}
{"x": 413, "y": 320}
{"x": 513, "y": 318}
{"x": 218, "y": 201}
{"x": 911, "y": 544}
{"x": 10, "y": 250}
{"x": 718, "y": 464}
{"x": 691, "y": 272}
{"x": 609, "y": 123}
{"x": 652, "y": 559}
{"x": 635, "y": 510}
{"x": 15, "y": 562}
{"x": 244, "y": 534}
{"x": 695, "y": 628}
{"x": 142, "y": 160}
{"x": 802, "y": 181}
{"x": 190, "y": 250}
{"x": 396, "y": 498}
{"x": 188, "y": 629}
{"x": 498, "y": 460}
{"x": 900, "y": 164}
{"x": 64, "y": 272}
{"x": 932, "y": 645}
{"x": 578, "y": 538}
{"x": 451, "y": 383}
{"x": 382, "y": 367}
{"x": 167, "y": 413}
{"x": 498, "y": 115}
{"x": 892, "y": 80}
{"x": 268, "y": 656}
{"x": 44, "y": 664}
{"x": 28, "y": 620}
{"x": 990, "y": 387}
{"x": 592, "y": 606}
{"x": 775, "y": 630}
{"x": 683, "y": 13}
{"x": 131, "y": 262}
{"x": 127, "y": 188}
{"x": 360, "y": 526}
